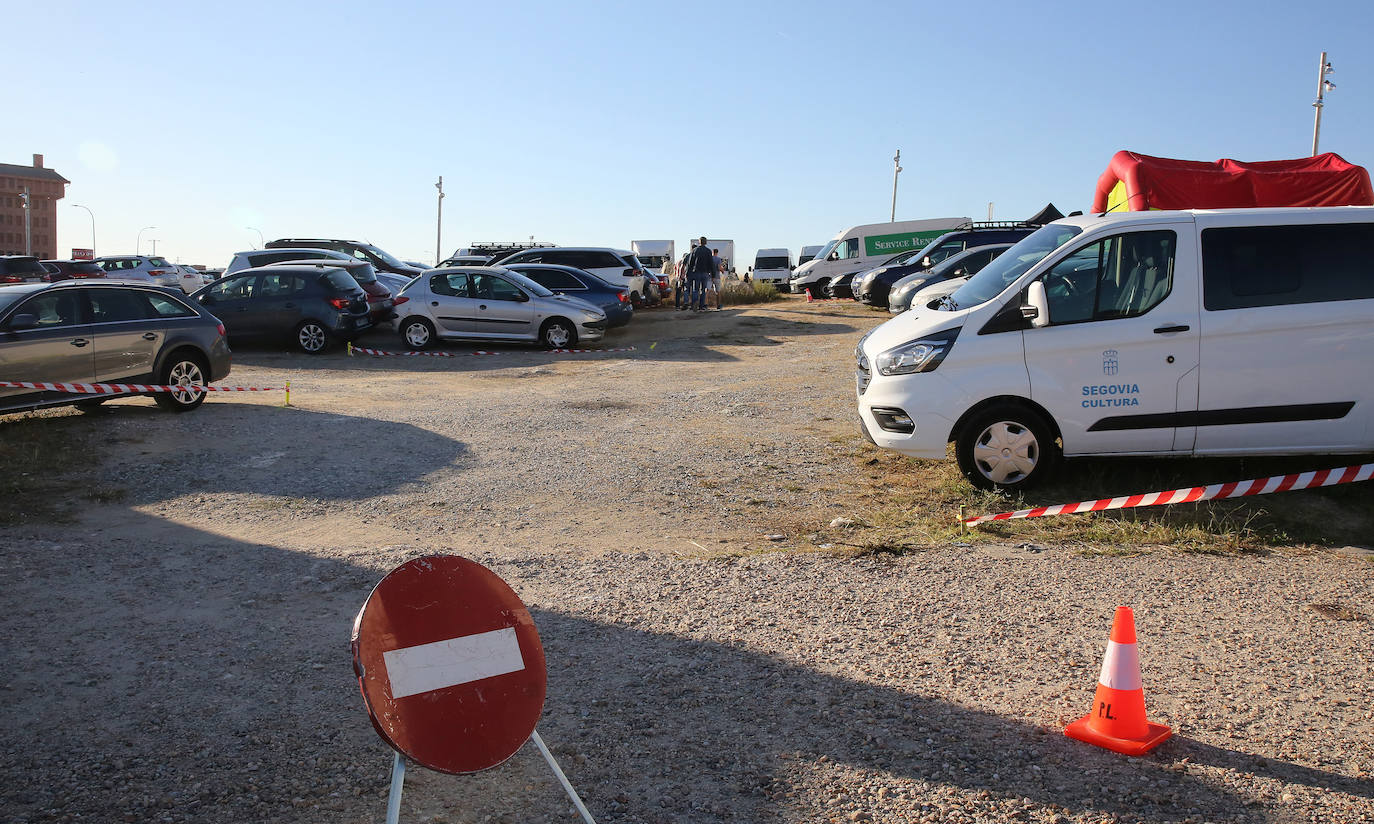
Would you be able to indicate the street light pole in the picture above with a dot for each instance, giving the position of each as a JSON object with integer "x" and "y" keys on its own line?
{"x": 153, "y": 241}
{"x": 439, "y": 224}
{"x": 261, "y": 243}
{"x": 28, "y": 220}
{"x": 138, "y": 242}
{"x": 1323, "y": 85}
{"x": 896, "y": 170}
{"x": 92, "y": 214}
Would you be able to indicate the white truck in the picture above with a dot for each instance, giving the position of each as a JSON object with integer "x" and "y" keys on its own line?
{"x": 808, "y": 254}
{"x": 773, "y": 266}
{"x": 863, "y": 247}
{"x": 652, "y": 253}
{"x": 724, "y": 249}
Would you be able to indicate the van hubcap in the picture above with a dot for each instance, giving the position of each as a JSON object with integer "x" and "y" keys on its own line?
{"x": 1006, "y": 452}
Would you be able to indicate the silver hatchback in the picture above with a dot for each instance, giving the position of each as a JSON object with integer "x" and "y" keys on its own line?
{"x": 492, "y": 303}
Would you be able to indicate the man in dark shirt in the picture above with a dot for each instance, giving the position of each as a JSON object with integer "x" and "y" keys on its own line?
{"x": 699, "y": 270}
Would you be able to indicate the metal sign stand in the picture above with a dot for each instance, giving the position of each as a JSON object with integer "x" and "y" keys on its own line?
{"x": 398, "y": 777}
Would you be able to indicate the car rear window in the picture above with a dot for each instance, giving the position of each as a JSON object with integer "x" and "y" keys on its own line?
{"x": 339, "y": 280}
{"x": 85, "y": 268}
{"x": 20, "y": 266}
{"x": 157, "y": 261}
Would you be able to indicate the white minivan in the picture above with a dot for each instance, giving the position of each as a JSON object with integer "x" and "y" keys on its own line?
{"x": 1205, "y": 332}
{"x": 773, "y": 266}
{"x": 862, "y": 247}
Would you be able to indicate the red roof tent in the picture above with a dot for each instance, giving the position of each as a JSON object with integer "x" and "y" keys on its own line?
{"x": 1165, "y": 183}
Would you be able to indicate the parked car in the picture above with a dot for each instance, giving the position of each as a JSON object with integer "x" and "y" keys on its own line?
{"x": 266, "y": 257}
{"x": 148, "y": 268}
{"x": 379, "y": 293}
{"x": 565, "y": 280}
{"x": 466, "y": 260}
{"x": 841, "y": 287}
{"x": 393, "y": 282}
{"x": 366, "y": 252}
{"x": 189, "y": 278}
{"x": 962, "y": 265}
{"x": 91, "y": 331}
{"x": 69, "y": 269}
{"x": 311, "y": 305}
{"x": 872, "y": 287}
{"x": 1162, "y": 333}
{"x": 493, "y": 303}
{"x": 21, "y": 269}
{"x": 615, "y": 266}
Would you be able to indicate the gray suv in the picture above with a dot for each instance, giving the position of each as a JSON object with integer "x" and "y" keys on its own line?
{"x": 82, "y": 331}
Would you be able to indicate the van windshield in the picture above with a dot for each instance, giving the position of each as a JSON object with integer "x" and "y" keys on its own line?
{"x": 992, "y": 279}
{"x": 770, "y": 263}
{"x": 825, "y": 250}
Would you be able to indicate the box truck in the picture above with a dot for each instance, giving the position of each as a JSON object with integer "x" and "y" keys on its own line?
{"x": 863, "y": 247}
{"x": 773, "y": 266}
{"x": 724, "y": 249}
{"x": 653, "y": 253}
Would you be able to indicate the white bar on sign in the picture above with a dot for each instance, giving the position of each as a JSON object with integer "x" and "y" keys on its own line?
{"x": 427, "y": 667}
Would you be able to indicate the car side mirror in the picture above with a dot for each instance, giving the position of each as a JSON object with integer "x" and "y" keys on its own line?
{"x": 1037, "y": 308}
{"x": 21, "y": 322}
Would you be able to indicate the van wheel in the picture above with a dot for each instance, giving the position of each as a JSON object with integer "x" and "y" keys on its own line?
{"x": 182, "y": 370}
{"x": 819, "y": 288}
{"x": 418, "y": 333}
{"x": 1006, "y": 448}
{"x": 557, "y": 333}
{"x": 311, "y": 337}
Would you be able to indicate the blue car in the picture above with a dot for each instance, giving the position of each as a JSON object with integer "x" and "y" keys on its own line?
{"x": 609, "y": 298}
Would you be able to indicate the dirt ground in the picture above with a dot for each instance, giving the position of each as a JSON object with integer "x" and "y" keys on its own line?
{"x": 176, "y": 646}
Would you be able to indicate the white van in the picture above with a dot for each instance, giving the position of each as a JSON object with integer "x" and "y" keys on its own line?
{"x": 1207, "y": 332}
{"x": 808, "y": 254}
{"x": 863, "y": 247}
{"x": 773, "y": 266}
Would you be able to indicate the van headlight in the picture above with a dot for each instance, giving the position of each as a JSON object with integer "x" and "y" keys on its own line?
{"x": 921, "y": 355}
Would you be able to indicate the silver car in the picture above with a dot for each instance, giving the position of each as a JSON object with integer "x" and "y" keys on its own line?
{"x": 147, "y": 268}
{"x": 492, "y": 303}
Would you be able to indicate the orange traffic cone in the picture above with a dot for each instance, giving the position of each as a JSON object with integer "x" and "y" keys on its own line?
{"x": 808, "y": 296}
{"x": 1117, "y": 721}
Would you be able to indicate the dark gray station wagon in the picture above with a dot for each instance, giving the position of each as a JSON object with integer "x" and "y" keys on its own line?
{"x": 90, "y": 332}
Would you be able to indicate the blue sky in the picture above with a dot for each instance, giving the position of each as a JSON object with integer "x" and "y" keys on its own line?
{"x": 597, "y": 123}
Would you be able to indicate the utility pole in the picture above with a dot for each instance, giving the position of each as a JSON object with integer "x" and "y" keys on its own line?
{"x": 439, "y": 224}
{"x": 1323, "y": 86}
{"x": 153, "y": 241}
{"x": 28, "y": 221}
{"x": 896, "y": 170}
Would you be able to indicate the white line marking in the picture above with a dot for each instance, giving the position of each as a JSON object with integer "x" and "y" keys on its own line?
{"x": 427, "y": 667}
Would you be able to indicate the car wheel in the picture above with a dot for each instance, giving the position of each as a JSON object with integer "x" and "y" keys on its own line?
{"x": 418, "y": 333}
{"x": 181, "y": 370}
{"x": 1006, "y": 447}
{"x": 311, "y": 337}
{"x": 557, "y": 333}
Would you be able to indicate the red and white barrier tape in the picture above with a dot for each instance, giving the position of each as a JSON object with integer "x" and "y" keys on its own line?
{"x": 129, "y": 388}
{"x": 381, "y": 352}
{"x": 1186, "y": 495}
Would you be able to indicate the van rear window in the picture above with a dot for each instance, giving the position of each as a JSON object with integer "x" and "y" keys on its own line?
{"x": 1250, "y": 266}
{"x": 770, "y": 263}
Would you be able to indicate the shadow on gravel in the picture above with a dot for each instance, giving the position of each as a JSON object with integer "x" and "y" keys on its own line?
{"x": 163, "y": 674}
{"x": 679, "y": 720}
{"x": 280, "y": 452}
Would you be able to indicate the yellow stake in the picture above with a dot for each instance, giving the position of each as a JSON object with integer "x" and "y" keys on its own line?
{"x": 963, "y": 513}
{"x": 652, "y": 345}
{"x": 288, "y": 393}
{"x": 350, "y": 349}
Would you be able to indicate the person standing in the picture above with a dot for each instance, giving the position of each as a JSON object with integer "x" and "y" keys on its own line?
{"x": 717, "y": 275}
{"x": 680, "y": 295}
{"x": 699, "y": 268}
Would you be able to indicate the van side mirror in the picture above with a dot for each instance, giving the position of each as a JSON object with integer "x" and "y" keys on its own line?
{"x": 1037, "y": 308}
{"x": 19, "y": 323}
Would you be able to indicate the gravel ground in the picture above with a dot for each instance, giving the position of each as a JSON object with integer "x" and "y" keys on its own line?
{"x": 181, "y": 655}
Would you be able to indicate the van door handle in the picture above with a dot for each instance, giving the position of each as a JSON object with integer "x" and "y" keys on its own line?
{"x": 79, "y": 342}
{"x": 1164, "y": 330}
{"x": 149, "y": 336}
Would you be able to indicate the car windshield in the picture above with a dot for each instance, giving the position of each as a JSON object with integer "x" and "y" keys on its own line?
{"x": 528, "y": 284}
{"x": 992, "y": 279}
{"x": 385, "y": 258}
{"x": 904, "y": 257}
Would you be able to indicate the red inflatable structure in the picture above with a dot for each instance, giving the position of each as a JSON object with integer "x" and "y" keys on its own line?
{"x": 1136, "y": 182}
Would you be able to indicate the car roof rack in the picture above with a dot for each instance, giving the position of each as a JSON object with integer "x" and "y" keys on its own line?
{"x": 996, "y": 224}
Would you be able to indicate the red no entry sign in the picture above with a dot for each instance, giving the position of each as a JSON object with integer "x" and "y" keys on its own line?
{"x": 450, "y": 664}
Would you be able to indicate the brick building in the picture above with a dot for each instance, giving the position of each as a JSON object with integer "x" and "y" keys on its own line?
{"x": 46, "y": 187}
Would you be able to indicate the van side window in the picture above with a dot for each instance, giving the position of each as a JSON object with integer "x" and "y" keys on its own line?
{"x": 848, "y": 249}
{"x": 1118, "y": 277}
{"x": 1251, "y": 266}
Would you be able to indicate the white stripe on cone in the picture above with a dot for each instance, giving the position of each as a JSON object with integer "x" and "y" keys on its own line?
{"x": 1121, "y": 667}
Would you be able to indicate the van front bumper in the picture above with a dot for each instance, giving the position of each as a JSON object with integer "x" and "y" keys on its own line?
{"x": 907, "y": 414}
